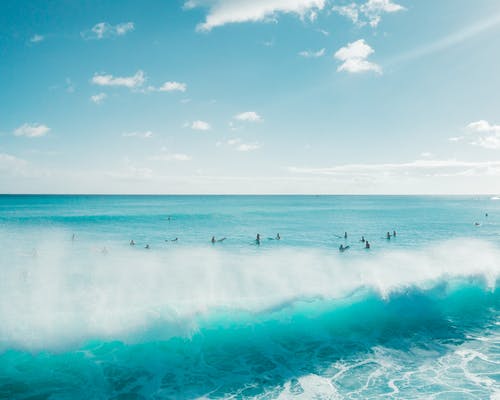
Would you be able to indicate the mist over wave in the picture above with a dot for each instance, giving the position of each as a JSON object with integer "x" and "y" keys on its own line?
{"x": 70, "y": 293}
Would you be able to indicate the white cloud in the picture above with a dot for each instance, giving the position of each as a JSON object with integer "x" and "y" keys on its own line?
{"x": 313, "y": 54}
{"x": 486, "y": 135}
{"x": 37, "y": 38}
{"x": 354, "y": 58}
{"x": 142, "y": 135}
{"x": 98, "y": 98}
{"x": 172, "y": 87}
{"x": 249, "y": 116}
{"x": 198, "y": 125}
{"x": 370, "y": 12}
{"x": 131, "y": 82}
{"x": 32, "y": 130}
{"x": 425, "y": 167}
{"x": 248, "y": 147}
{"x": 172, "y": 157}
{"x": 104, "y": 30}
{"x": 221, "y": 12}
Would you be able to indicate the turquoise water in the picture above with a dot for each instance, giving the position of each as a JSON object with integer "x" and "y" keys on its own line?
{"x": 414, "y": 317}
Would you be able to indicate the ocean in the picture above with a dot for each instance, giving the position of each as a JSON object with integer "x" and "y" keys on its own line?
{"x": 85, "y": 315}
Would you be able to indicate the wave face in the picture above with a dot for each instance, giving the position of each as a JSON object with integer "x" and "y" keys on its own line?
{"x": 285, "y": 323}
{"x": 414, "y": 317}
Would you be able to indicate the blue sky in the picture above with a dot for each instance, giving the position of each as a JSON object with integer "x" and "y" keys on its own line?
{"x": 250, "y": 96}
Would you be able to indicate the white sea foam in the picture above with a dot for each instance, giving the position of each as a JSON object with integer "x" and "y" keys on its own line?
{"x": 69, "y": 293}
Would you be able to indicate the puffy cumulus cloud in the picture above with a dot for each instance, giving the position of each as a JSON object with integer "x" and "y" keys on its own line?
{"x": 221, "y": 12}
{"x": 249, "y": 116}
{"x": 354, "y": 58}
{"x": 104, "y": 30}
{"x": 198, "y": 125}
{"x": 141, "y": 135}
{"x": 485, "y": 134}
{"x": 32, "y": 130}
{"x": 368, "y": 13}
{"x": 173, "y": 87}
{"x": 312, "y": 54}
{"x": 98, "y": 98}
{"x": 238, "y": 145}
{"x": 130, "y": 82}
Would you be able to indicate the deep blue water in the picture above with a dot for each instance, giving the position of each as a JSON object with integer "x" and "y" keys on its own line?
{"x": 90, "y": 316}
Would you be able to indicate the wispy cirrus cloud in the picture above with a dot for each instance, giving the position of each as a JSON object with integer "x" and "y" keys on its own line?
{"x": 222, "y": 12}
{"x": 312, "y": 54}
{"x": 239, "y": 145}
{"x": 98, "y": 98}
{"x": 354, "y": 58}
{"x": 104, "y": 30}
{"x": 138, "y": 134}
{"x": 37, "y": 38}
{"x": 248, "y": 116}
{"x": 173, "y": 86}
{"x": 131, "y": 82}
{"x": 171, "y": 157}
{"x": 32, "y": 130}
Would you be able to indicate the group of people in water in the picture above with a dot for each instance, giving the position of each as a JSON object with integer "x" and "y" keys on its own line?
{"x": 343, "y": 248}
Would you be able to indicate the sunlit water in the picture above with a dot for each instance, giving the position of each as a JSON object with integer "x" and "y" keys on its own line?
{"x": 89, "y": 316}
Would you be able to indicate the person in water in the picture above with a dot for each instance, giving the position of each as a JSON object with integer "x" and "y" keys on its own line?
{"x": 257, "y": 239}
{"x": 388, "y": 235}
{"x": 132, "y": 243}
{"x": 278, "y": 237}
{"x": 367, "y": 245}
{"x": 341, "y": 247}
{"x": 73, "y": 237}
{"x": 147, "y": 247}
{"x": 345, "y": 235}
{"x": 213, "y": 239}
{"x": 363, "y": 239}
{"x": 394, "y": 233}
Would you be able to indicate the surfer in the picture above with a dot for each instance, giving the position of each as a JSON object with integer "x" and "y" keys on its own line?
{"x": 363, "y": 239}
{"x": 257, "y": 239}
{"x": 394, "y": 233}
{"x": 132, "y": 243}
{"x": 278, "y": 237}
{"x": 221, "y": 240}
{"x": 175, "y": 240}
{"x": 388, "y": 237}
{"x": 213, "y": 239}
{"x": 367, "y": 245}
{"x": 345, "y": 235}
{"x": 343, "y": 248}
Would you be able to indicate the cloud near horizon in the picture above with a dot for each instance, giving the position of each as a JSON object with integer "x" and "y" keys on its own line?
{"x": 130, "y": 82}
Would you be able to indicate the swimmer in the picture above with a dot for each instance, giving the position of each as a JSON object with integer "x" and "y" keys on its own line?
{"x": 175, "y": 240}
{"x": 345, "y": 235}
{"x": 367, "y": 245}
{"x": 486, "y": 214}
{"x": 341, "y": 247}
{"x": 278, "y": 237}
{"x": 221, "y": 240}
{"x": 147, "y": 247}
{"x": 363, "y": 239}
{"x": 213, "y": 239}
{"x": 257, "y": 239}
{"x": 388, "y": 237}
{"x": 394, "y": 233}
{"x": 477, "y": 223}
{"x": 132, "y": 243}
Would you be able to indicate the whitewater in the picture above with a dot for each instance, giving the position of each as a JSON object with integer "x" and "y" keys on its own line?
{"x": 89, "y": 316}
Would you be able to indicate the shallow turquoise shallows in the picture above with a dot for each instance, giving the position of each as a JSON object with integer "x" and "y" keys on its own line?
{"x": 86, "y": 315}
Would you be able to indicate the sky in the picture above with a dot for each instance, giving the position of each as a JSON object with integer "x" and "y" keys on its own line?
{"x": 250, "y": 96}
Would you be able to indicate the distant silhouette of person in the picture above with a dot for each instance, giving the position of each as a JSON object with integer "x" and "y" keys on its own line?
{"x": 388, "y": 235}
{"x": 341, "y": 247}
{"x": 257, "y": 239}
{"x": 278, "y": 237}
{"x": 221, "y": 240}
{"x": 363, "y": 239}
{"x": 394, "y": 233}
{"x": 345, "y": 235}
{"x": 486, "y": 214}
{"x": 147, "y": 247}
{"x": 213, "y": 239}
{"x": 175, "y": 240}
{"x": 73, "y": 237}
{"x": 367, "y": 245}
{"x": 132, "y": 243}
